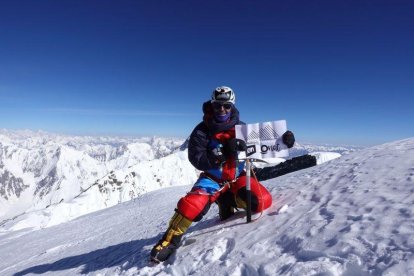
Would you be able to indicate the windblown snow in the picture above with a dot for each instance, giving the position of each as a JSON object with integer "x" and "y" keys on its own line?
{"x": 349, "y": 216}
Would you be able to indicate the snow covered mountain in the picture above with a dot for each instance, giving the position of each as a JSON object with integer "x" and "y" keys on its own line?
{"x": 47, "y": 179}
{"x": 40, "y": 172}
{"x": 350, "y": 216}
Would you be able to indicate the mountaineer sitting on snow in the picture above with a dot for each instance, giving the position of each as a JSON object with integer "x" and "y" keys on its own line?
{"x": 213, "y": 149}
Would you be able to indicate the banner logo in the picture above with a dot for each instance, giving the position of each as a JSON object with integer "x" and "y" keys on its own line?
{"x": 266, "y": 148}
{"x": 251, "y": 150}
{"x": 266, "y": 133}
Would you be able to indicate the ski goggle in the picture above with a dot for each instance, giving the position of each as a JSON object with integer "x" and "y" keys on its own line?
{"x": 222, "y": 95}
{"x": 218, "y": 105}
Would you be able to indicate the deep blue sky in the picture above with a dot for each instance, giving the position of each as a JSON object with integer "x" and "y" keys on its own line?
{"x": 339, "y": 72}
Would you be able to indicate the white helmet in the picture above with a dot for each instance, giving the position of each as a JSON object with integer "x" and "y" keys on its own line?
{"x": 223, "y": 94}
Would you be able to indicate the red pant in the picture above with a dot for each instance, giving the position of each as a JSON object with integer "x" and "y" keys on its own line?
{"x": 196, "y": 203}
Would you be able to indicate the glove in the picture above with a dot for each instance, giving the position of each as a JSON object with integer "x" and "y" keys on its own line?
{"x": 217, "y": 152}
{"x": 233, "y": 146}
{"x": 288, "y": 138}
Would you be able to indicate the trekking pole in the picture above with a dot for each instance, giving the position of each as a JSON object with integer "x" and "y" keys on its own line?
{"x": 248, "y": 192}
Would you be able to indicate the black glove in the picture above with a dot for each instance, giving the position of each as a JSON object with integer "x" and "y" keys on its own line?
{"x": 218, "y": 154}
{"x": 288, "y": 138}
{"x": 233, "y": 146}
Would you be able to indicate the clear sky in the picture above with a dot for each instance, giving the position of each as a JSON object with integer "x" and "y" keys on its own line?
{"x": 339, "y": 72}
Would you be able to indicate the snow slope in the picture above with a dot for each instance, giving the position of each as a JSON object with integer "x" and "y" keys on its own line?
{"x": 350, "y": 216}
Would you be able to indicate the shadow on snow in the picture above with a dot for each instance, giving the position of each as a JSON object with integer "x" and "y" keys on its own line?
{"x": 125, "y": 255}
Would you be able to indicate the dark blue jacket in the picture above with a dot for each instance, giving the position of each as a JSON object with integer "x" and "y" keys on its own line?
{"x": 200, "y": 142}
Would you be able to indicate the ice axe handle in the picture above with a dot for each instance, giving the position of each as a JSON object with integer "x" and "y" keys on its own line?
{"x": 248, "y": 192}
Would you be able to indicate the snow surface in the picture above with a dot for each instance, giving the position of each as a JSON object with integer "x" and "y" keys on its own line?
{"x": 350, "y": 216}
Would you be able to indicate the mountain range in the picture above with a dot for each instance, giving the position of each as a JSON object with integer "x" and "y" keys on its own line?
{"x": 47, "y": 179}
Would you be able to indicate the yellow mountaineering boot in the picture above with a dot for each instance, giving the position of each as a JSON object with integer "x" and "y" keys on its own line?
{"x": 171, "y": 239}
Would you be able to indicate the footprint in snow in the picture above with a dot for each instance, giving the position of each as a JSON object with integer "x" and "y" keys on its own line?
{"x": 220, "y": 251}
{"x": 244, "y": 269}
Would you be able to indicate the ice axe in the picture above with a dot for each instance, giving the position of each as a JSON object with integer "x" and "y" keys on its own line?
{"x": 248, "y": 188}
{"x": 248, "y": 191}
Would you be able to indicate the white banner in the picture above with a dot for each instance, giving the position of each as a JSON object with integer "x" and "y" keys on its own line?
{"x": 264, "y": 140}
